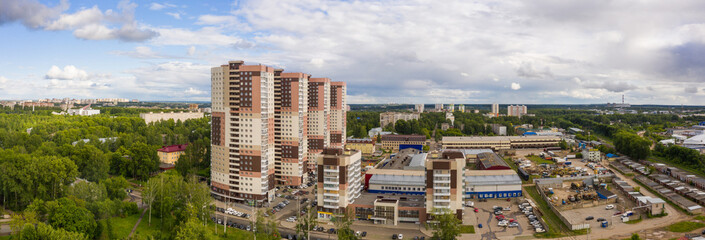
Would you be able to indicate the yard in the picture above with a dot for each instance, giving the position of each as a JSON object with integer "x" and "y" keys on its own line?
{"x": 538, "y": 160}
{"x": 685, "y": 226}
{"x": 556, "y": 228}
{"x": 123, "y": 226}
{"x": 467, "y": 229}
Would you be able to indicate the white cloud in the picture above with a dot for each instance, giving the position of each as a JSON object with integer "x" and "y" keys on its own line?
{"x": 516, "y": 86}
{"x": 160, "y": 6}
{"x": 3, "y": 82}
{"x": 89, "y": 24}
{"x": 203, "y": 36}
{"x": 193, "y": 91}
{"x": 143, "y": 52}
{"x": 174, "y": 15}
{"x": 464, "y": 74}
{"x": 70, "y": 72}
{"x": 191, "y": 50}
{"x": 215, "y": 19}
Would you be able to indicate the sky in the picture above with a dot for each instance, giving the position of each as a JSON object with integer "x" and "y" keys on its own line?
{"x": 396, "y": 51}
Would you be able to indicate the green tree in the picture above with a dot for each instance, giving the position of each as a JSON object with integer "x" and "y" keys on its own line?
{"x": 115, "y": 187}
{"x": 71, "y": 217}
{"x": 446, "y": 225}
{"x": 635, "y": 237}
{"x": 46, "y": 232}
{"x": 307, "y": 222}
{"x": 342, "y": 223}
{"x": 88, "y": 191}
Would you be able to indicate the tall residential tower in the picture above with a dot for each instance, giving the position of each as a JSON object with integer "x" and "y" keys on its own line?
{"x": 266, "y": 125}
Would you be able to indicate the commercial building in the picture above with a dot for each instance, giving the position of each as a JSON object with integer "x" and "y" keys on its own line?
{"x": 396, "y": 142}
{"x": 364, "y": 145}
{"x": 492, "y": 184}
{"x": 495, "y": 109}
{"x": 339, "y": 181}
{"x": 500, "y": 142}
{"x": 387, "y": 118}
{"x": 268, "y": 128}
{"x": 516, "y": 111}
{"x": 419, "y": 108}
{"x": 170, "y": 154}
{"x": 176, "y": 116}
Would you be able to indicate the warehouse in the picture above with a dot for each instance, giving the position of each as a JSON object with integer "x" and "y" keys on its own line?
{"x": 492, "y": 184}
{"x": 491, "y": 161}
{"x": 396, "y": 181}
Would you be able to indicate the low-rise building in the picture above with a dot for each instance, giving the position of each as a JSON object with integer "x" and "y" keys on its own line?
{"x": 492, "y": 184}
{"x": 387, "y": 118}
{"x": 176, "y": 116}
{"x": 491, "y": 161}
{"x": 364, "y": 145}
{"x": 593, "y": 155}
{"x": 499, "y": 129}
{"x": 500, "y": 142}
{"x": 171, "y": 154}
{"x": 396, "y": 142}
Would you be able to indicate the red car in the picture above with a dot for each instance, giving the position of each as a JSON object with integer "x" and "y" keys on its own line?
{"x": 476, "y": 210}
{"x": 499, "y": 217}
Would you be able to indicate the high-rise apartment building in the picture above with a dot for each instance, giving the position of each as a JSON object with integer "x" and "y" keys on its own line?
{"x": 439, "y": 107}
{"x": 318, "y": 118}
{"x": 495, "y": 109}
{"x": 269, "y": 127}
{"x": 419, "y": 108}
{"x": 461, "y": 108}
{"x": 242, "y": 141}
{"x": 387, "y": 118}
{"x": 338, "y": 114}
{"x": 339, "y": 180}
{"x": 517, "y": 111}
{"x": 442, "y": 188}
{"x": 290, "y": 127}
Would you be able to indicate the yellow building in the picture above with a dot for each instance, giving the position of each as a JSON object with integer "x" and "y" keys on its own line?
{"x": 170, "y": 154}
{"x": 364, "y": 145}
{"x": 392, "y": 142}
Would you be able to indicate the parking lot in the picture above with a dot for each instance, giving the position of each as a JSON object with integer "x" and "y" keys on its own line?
{"x": 490, "y": 228}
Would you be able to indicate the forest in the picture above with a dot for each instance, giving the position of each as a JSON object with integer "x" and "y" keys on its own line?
{"x": 66, "y": 175}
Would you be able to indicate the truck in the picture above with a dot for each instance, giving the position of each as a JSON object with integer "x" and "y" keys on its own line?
{"x": 605, "y": 224}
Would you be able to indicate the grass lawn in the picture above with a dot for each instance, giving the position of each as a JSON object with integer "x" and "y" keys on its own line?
{"x": 556, "y": 228}
{"x": 4, "y": 237}
{"x": 684, "y": 226}
{"x": 539, "y": 160}
{"x": 701, "y": 218}
{"x": 123, "y": 226}
{"x": 467, "y": 229}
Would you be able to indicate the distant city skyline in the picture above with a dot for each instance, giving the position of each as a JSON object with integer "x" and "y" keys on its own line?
{"x": 539, "y": 52}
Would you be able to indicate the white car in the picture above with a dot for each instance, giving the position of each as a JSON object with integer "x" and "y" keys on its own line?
{"x": 540, "y": 230}
{"x": 608, "y": 207}
{"x": 401, "y": 236}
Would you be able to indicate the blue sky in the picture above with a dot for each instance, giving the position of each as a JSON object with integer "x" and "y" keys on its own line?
{"x": 549, "y": 51}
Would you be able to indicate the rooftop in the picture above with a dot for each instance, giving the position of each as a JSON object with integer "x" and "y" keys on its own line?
{"x": 502, "y": 177}
{"x": 173, "y": 148}
{"x": 404, "y": 200}
{"x": 489, "y": 160}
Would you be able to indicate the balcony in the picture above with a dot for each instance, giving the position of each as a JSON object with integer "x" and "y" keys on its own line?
{"x": 330, "y": 206}
{"x": 327, "y": 170}
{"x": 441, "y": 200}
{"x": 441, "y": 180}
{"x": 441, "y": 175}
{"x": 327, "y": 194}
{"x": 441, "y": 193}
{"x": 435, "y": 186}
{"x": 331, "y": 188}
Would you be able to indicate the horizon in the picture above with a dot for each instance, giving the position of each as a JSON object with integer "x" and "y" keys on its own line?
{"x": 387, "y": 51}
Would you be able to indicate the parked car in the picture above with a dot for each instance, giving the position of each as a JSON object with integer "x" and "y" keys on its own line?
{"x": 394, "y": 236}
{"x": 513, "y": 224}
{"x": 601, "y": 219}
{"x": 479, "y": 225}
{"x": 364, "y": 234}
{"x": 589, "y": 218}
{"x": 609, "y": 207}
{"x": 401, "y": 236}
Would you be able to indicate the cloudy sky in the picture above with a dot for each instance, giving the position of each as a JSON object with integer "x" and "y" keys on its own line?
{"x": 403, "y": 51}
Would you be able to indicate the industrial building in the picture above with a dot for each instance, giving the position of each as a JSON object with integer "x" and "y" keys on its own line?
{"x": 407, "y": 187}
{"x": 492, "y": 184}
{"x": 500, "y": 142}
{"x": 491, "y": 161}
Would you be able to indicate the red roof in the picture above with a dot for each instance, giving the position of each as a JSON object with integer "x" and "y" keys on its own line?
{"x": 173, "y": 148}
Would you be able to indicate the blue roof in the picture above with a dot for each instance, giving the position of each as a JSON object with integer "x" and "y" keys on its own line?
{"x": 609, "y": 155}
{"x": 529, "y": 133}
